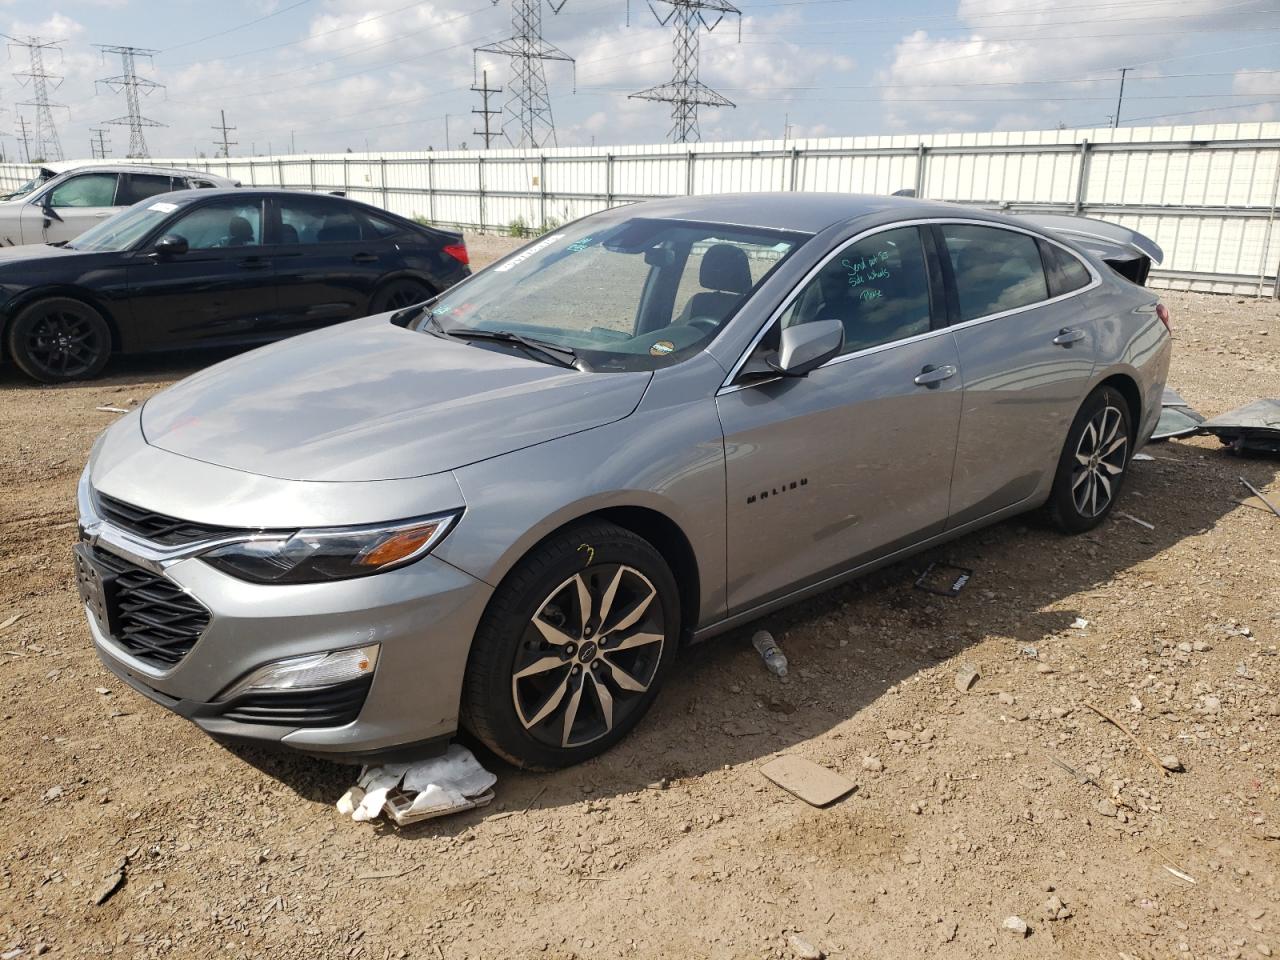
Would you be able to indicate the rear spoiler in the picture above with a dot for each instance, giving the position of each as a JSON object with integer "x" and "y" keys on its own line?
{"x": 1125, "y": 251}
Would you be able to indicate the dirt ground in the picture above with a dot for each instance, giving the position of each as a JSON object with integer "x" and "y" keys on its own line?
{"x": 1013, "y": 799}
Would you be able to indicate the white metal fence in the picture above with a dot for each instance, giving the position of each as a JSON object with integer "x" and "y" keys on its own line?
{"x": 1207, "y": 194}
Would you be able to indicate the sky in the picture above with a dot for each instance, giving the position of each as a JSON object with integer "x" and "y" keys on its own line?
{"x": 330, "y": 75}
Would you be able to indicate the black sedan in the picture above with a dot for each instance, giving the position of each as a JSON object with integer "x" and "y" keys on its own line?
{"x": 213, "y": 268}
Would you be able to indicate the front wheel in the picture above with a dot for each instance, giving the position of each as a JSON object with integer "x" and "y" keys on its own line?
{"x": 573, "y": 648}
{"x": 1093, "y": 464}
{"x": 59, "y": 339}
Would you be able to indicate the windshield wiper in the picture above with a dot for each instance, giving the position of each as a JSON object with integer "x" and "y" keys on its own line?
{"x": 562, "y": 356}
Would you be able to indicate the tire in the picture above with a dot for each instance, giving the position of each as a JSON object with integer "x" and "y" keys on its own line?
{"x": 397, "y": 294}
{"x": 59, "y": 339}
{"x": 1093, "y": 464}
{"x": 533, "y": 661}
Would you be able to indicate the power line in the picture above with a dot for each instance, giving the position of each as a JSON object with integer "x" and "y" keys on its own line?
{"x": 685, "y": 91}
{"x": 98, "y": 143}
{"x": 45, "y": 135}
{"x": 224, "y": 129}
{"x": 485, "y": 92}
{"x": 241, "y": 26}
{"x": 529, "y": 122}
{"x": 131, "y": 84}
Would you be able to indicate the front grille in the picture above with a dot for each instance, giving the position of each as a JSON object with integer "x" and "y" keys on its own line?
{"x": 157, "y": 527}
{"x": 150, "y": 615}
{"x": 326, "y": 707}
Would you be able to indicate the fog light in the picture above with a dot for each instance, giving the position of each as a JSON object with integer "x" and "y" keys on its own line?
{"x": 309, "y": 672}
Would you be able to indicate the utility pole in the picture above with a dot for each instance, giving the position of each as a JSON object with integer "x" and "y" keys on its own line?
{"x": 131, "y": 84}
{"x": 24, "y": 138}
{"x": 1120, "y": 100}
{"x": 486, "y": 91}
{"x": 447, "y": 144}
{"x": 98, "y": 143}
{"x": 529, "y": 122}
{"x": 224, "y": 129}
{"x": 685, "y": 92}
{"x": 45, "y": 134}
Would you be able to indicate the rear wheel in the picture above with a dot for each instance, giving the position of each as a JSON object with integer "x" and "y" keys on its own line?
{"x": 59, "y": 339}
{"x": 1093, "y": 464}
{"x": 396, "y": 294}
{"x": 573, "y": 648}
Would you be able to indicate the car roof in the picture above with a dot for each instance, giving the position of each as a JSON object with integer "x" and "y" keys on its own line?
{"x": 805, "y": 212}
{"x": 244, "y": 193}
{"x": 72, "y": 167}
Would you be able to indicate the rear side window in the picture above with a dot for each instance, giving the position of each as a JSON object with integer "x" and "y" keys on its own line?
{"x": 995, "y": 270}
{"x": 135, "y": 187}
{"x": 1066, "y": 270}
{"x": 316, "y": 220}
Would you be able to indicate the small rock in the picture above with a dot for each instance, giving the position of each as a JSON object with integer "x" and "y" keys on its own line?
{"x": 1171, "y": 762}
{"x": 897, "y": 736}
{"x": 1015, "y": 926}
{"x": 872, "y": 765}
{"x": 966, "y": 678}
{"x": 1201, "y": 646}
{"x": 1044, "y": 668}
{"x": 1007, "y": 698}
{"x": 949, "y": 931}
{"x": 53, "y": 793}
{"x": 1211, "y": 704}
{"x": 103, "y": 690}
{"x": 916, "y": 808}
{"x": 1079, "y": 623}
{"x": 1055, "y": 909}
{"x": 109, "y": 886}
{"x": 803, "y": 949}
{"x": 1106, "y": 807}
{"x": 1263, "y": 949}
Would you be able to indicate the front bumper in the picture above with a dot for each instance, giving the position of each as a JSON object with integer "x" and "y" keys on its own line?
{"x": 422, "y": 616}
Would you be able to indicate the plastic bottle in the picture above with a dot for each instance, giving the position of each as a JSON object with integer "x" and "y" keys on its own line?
{"x": 770, "y": 652}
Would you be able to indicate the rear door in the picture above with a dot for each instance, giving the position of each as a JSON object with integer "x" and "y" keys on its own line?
{"x": 222, "y": 289}
{"x": 854, "y": 461}
{"x": 329, "y": 259}
{"x": 80, "y": 202}
{"x": 1027, "y": 349}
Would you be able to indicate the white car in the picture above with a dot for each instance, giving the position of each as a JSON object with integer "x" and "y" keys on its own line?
{"x": 56, "y": 206}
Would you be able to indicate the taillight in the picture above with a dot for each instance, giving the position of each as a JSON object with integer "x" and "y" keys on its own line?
{"x": 1163, "y": 313}
{"x": 458, "y": 251}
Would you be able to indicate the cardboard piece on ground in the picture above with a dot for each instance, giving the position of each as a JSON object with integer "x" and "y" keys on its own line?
{"x": 1253, "y": 502}
{"x": 805, "y": 779}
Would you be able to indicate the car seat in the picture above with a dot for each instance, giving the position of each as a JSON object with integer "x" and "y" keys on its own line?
{"x": 239, "y": 232}
{"x": 725, "y": 275}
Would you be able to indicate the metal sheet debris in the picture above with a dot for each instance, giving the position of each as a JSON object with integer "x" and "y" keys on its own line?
{"x": 1255, "y": 427}
{"x": 409, "y": 792}
{"x": 1177, "y": 419}
{"x": 944, "y": 579}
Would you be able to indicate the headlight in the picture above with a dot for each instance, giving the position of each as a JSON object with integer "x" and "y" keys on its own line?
{"x": 333, "y": 553}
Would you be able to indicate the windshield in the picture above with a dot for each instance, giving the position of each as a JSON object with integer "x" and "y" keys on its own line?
{"x": 124, "y": 229}
{"x": 634, "y": 294}
{"x": 27, "y": 187}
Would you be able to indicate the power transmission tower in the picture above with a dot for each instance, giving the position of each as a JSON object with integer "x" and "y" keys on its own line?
{"x": 486, "y": 91}
{"x": 98, "y": 143}
{"x": 24, "y": 138}
{"x": 529, "y": 122}
{"x": 131, "y": 84}
{"x": 226, "y": 144}
{"x": 45, "y": 134}
{"x": 685, "y": 91}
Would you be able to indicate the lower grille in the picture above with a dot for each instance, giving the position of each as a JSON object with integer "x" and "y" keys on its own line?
{"x": 326, "y": 707}
{"x": 150, "y": 615}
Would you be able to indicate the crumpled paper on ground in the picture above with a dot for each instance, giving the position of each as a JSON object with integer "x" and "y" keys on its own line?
{"x": 417, "y": 791}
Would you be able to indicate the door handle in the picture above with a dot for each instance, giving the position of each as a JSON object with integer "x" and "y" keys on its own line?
{"x": 103, "y": 215}
{"x": 1067, "y": 336}
{"x": 931, "y": 376}
{"x": 254, "y": 263}
{"x": 365, "y": 258}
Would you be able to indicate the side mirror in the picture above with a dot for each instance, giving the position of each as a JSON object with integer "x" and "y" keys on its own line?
{"x": 807, "y": 346}
{"x": 170, "y": 245}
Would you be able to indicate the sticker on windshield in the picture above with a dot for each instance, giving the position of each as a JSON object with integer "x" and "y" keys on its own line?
{"x": 163, "y": 207}
{"x": 662, "y": 348}
{"x": 532, "y": 251}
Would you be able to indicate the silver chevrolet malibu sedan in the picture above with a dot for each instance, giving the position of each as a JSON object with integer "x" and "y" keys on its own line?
{"x": 506, "y": 509}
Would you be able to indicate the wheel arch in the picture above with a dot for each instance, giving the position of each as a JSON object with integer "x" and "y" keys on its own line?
{"x": 1128, "y": 388}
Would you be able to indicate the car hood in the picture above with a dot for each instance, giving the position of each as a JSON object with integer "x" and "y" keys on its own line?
{"x": 34, "y": 251}
{"x": 369, "y": 400}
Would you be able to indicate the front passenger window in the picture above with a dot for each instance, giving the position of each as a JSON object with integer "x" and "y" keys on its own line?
{"x": 878, "y": 288}
{"x": 995, "y": 270}
{"x": 86, "y": 190}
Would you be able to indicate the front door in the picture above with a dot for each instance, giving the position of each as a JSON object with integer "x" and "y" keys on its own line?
{"x": 854, "y": 461}
{"x": 1027, "y": 359}
{"x": 222, "y": 289}
{"x": 79, "y": 202}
